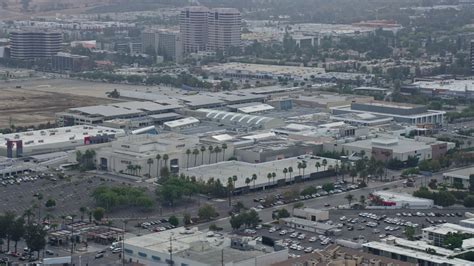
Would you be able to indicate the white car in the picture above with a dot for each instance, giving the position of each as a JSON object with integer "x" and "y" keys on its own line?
{"x": 272, "y": 230}
{"x": 283, "y": 232}
{"x": 294, "y": 235}
{"x": 301, "y": 237}
{"x": 308, "y": 250}
{"x": 312, "y": 239}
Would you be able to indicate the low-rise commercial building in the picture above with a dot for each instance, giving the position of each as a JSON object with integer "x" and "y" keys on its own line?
{"x": 92, "y": 115}
{"x": 386, "y": 147}
{"x": 436, "y": 235}
{"x": 460, "y": 176}
{"x": 414, "y": 252}
{"x": 310, "y": 226}
{"x": 311, "y": 214}
{"x": 258, "y": 71}
{"x": 243, "y": 171}
{"x": 65, "y": 62}
{"x": 239, "y": 119}
{"x": 402, "y": 113}
{"x": 402, "y": 200}
{"x": 189, "y": 247}
{"x": 326, "y": 100}
{"x": 55, "y": 139}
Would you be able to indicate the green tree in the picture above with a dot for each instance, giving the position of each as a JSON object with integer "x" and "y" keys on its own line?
{"x": 324, "y": 163}
{"x": 50, "y": 203}
{"x": 82, "y": 210}
{"x": 362, "y": 200}
{"x": 149, "y": 162}
{"x": 453, "y": 240}
{"x": 409, "y": 232}
{"x": 349, "y": 198}
{"x": 98, "y": 213}
{"x": 195, "y": 154}
{"x": 173, "y": 220}
{"x": 469, "y": 201}
{"x": 283, "y": 213}
{"x": 35, "y": 237}
{"x": 186, "y": 219}
{"x": 17, "y": 231}
{"x": 207, "y": 212}
{"x": 188, "y": 153}
{"x": 328, "y": 187}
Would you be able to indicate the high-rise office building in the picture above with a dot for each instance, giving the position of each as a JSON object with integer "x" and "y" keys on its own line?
{"x": 224, "y": 28}
{"x": 170, "y": 45}
{"x": 32, "y": 44}
{"x": 150, "y": 40}
{"x": 193, "y": 23}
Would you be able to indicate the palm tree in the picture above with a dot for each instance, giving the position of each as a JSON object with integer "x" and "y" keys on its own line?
{"x": 203, "y": 149}
{"x": 336, "y": 168}
{"x": 28, "y": 213}
{"x": 210, "y": 149}
{"x": 217, "y": 150}
{"x": 353, "y": 173}
{"x": 269, "y": 177}
{"x": 254, "y": 178}
{"x": 303, "y": 166}
{"x": 165, "y": 158}
{"x": 247, "y": 182}
{"x": 82, "y": 210}
{"x": 299, "y": 166}
{"x": 188, "y": 153}
{"x": 158, "y": 164}
{"x": 234, "y": 178}
{"x": 285, "y": 171}
{"x": 224, "y": 147}
{"x": 139, "y": 169}
{"x": 149, "y": 162}
{"x": 290, "y": 170}
{"x": 230, "y": 189}
{"x": 195, "y": 153}
{"x": 273, "y": 176}
{"x": 317, "y": 165}
{"x": 130, "y": 168}
{"x": 349, "y": 198}
{"x": 325, "y": 162}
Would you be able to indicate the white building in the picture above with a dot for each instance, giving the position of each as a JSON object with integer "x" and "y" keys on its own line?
{"x": 55, "y": 139}
{"x": 179, "y": 124}
{"x": 194, "y": 248}
{"x": 244, "y": 170}
{"x": 413, "y": 252}
{"x": 224, "y": 29}
{"x": 136, "y": 150}
{"x": 403, "y": 200}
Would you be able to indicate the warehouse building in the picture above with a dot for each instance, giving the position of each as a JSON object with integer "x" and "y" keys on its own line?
{"x": 92, "y": 115}
{"x": 195, "y": 248}
{"x": 402, "y": 113}
{"x": 177, "y": 125}
{"x": 311, "y": 214}
{"x": 55, "y": 139}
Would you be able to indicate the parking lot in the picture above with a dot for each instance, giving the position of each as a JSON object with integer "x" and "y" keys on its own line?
{"x": 358, "y": 226}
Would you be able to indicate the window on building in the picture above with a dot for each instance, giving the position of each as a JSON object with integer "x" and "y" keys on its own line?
{"x": 141, "y": 254}
{"x": 129, "y": 251}
{"x": 156, "y": 258}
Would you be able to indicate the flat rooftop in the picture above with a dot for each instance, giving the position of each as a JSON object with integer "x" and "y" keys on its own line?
{"x": 222, "y": 170}
{"x": 448, "y": 85}
{"x": 396, "y": 196}
{"x": 401, "y": 146}
{"x": 415, "y": 254}
{"x": 461, "y": 173}
{"x": 58, "y": 135}
{"x": 124, "y": 108}
{"x": 261, "y": 68}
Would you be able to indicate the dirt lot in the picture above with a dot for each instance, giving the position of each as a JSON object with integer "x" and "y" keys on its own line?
{"x": 28, "y": 107}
